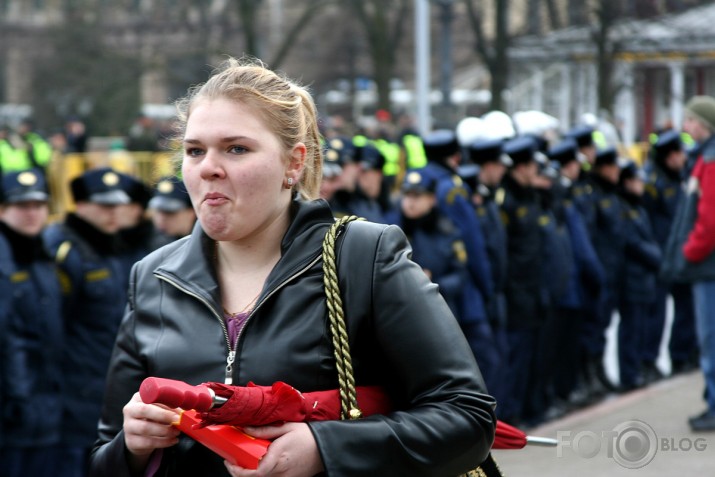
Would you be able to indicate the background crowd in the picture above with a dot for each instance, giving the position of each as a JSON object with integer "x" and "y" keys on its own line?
{"x": 537, "y": 234}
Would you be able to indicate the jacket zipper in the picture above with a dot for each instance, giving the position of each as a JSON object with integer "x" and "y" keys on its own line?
{"x": 231, "y": 356}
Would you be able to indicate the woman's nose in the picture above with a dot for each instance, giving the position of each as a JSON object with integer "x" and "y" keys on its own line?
{"x": 212, "y": 166}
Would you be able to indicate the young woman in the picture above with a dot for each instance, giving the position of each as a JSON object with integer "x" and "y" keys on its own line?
{"x": 242, "y": 300}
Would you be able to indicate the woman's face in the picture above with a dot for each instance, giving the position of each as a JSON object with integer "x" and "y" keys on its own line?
{"x": 235, "y": 169}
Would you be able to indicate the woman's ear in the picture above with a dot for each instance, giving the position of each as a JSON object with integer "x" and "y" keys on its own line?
{"x": 296, "y": 162}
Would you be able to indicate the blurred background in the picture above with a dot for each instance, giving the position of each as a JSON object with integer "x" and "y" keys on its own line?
{"x": 108, "y": 71}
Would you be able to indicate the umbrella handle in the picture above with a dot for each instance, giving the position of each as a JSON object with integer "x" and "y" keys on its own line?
{"x": 541, "y": 441}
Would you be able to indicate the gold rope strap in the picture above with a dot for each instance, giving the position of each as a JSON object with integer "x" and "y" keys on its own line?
{"x": 343, "y": 362}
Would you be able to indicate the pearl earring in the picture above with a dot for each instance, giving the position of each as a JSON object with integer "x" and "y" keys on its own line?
{"x": 289, "y": 182}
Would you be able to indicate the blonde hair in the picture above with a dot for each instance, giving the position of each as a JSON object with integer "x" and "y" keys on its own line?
{"x": 287, "y": 109}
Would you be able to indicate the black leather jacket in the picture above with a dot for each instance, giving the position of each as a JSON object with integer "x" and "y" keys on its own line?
{"x": 402, "y": 337}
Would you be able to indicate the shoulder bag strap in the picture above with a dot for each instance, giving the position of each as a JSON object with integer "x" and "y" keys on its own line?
{"x": 343, "y": 362}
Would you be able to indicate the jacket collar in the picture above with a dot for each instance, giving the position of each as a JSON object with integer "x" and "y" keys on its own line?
{"x": 192, "y": 265}
{"x": 25, "y": 249}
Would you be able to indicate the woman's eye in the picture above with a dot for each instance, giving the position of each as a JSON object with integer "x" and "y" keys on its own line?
{"x": 237, "y": 150}
{"x": 193, "y": 151}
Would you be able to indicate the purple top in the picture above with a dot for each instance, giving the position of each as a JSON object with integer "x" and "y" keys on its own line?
{"x": 235, "y": 324}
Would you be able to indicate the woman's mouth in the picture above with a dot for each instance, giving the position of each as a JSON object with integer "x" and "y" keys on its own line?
{"x": 214, "y": 198}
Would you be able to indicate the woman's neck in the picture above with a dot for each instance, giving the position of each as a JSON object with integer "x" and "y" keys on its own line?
{"x": 243, "y": 267}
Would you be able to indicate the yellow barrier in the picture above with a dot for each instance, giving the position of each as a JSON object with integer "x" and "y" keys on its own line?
{"x": 147, "y": 166}
{"x": 638, "y": 152}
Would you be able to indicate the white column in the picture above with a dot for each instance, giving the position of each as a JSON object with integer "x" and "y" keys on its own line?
{"x": 677, "y": 88}
{"x": 422, "y": 66}
{"x": 581, "y": 96}
{"x": 565, "y": 96}
{"x": 591, "y": 89}
{"x": 18, "y": 75}
{"x": 625, "y": 103}
{"x": 537, "y": 90}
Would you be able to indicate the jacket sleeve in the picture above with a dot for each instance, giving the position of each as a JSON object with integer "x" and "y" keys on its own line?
{"x": 123, "y": 379}
{"x": 585, "y": 255}
{"x": 701, "y": 241}
{"x": 445, "y": 423}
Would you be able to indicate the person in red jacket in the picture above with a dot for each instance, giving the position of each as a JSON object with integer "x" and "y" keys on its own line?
{"x": 699, "y": 248}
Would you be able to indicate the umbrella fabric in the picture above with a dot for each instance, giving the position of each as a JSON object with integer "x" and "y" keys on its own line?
{"x": 508, "y": 437}
{"x": 254, "y": 405}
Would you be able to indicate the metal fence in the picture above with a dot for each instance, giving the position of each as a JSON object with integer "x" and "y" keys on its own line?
{"x": 148, "y": 166}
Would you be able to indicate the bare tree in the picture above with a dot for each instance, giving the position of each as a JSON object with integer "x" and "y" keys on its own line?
{"x": 253, "y": 35}
{"x": 494, "y": 53}
{"x": 553, "y": 14}
{"x": 577, "y": 13}
{"x": 607, "y": 13}
{"x": 383, "y": 22}
{"x": 534, "y": 24}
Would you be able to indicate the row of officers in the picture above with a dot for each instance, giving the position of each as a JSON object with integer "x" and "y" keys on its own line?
{"x": 63, "y": 290}
{"x": 533, "y": 247}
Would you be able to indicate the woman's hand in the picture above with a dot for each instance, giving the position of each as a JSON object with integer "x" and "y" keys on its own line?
{"x": 147, "y": 427}
{"x": 293, "y": 452}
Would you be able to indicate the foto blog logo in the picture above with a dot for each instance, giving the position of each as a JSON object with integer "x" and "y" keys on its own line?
{"x": 632, "y": 444}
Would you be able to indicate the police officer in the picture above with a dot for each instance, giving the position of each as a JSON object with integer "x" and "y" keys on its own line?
{"x": 556, "y": 272}
{"x": 38, "y": 150}
{"x": 583, "y": 286}
{"x": 641, "y": 263}
{"x": 608, "y": 236}
{"x": 436, "y": 243}
{"x": 367, "y": 200}
{"x": 32, "y": 337}
{"x": 582, "y": 188}
{"x": 171, "y": 211}
{"x": 87, "y": 249}
{"x": 521, "y": 212}
{"x": 663, "y": 192}
{"x": 583, "y": 135}
{"x": 136, "y": 232}
{"x": 490, "y": 165}
{"x": 17, "y": 155}
{"x": 454, "y": 200}
{"x": 340, "y": 158}
{"x": 484, "y": 175}
{"x": 332, "y": 170}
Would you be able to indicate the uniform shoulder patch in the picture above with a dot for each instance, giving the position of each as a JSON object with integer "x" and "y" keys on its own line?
{"x": 62, "y": 251}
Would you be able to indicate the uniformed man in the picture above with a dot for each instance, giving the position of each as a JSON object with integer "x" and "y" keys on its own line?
{"x": 437, "y": 244}
{"x": 136, "y": 230}
{"x": 31, "y": 338}
{"x": 489, "y": 166}
{"x": 345, "y": 184}
{"x": 454, "y": 200}
{"x": 608, "y": 236}
{"x": 18, "y": 155}
{"x": 663, "y": 192}
{"x": 367, "y": 200}
{"x": 521, "y": 211}
{"x": 95, "y": 281}
{"x": 172, "y": 213}
{"x": 583, "y": 286}
{"x": 642, "y": 258}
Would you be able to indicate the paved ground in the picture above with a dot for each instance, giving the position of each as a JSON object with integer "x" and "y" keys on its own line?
{"x": 643, "y": 433}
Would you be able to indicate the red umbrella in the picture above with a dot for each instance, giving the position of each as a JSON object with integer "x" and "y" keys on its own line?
{"x": 509, "y": 437}
{"x": 252, "y": 405}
